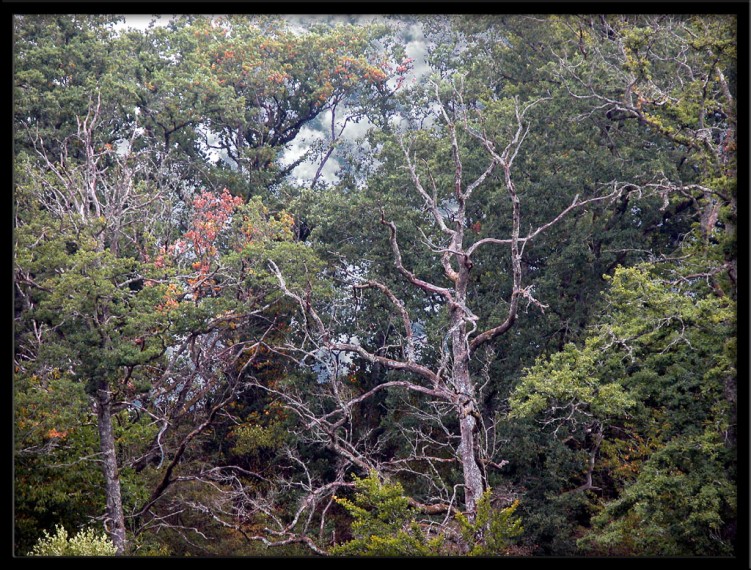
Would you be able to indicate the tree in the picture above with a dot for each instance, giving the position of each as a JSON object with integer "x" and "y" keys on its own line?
{"x": 261, "y": 83}
{"x": 59, "y": 61}
{"x": 406, "y": 357}
{"x": 672, "y": 78}
{"x": 87, "y": 301}
{"x": 647, "y": 397}
{"x": 448, "y": 381}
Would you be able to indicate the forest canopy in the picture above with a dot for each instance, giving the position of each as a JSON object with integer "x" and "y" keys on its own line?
{"x": 388, "y": 285}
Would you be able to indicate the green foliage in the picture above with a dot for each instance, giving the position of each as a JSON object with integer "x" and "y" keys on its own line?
{"x": 662, "y": 352}
{"x": 493, "y": 530}
{"x": 385, "y": 525}
{"x": 383, "y": 522}
{"x": 158, "y": 301}
{"x": 60, "y": 61}
{"x": 679, "y": 504}
{"x": 86, "y": 543}
{"x": 252, "y": 438}
{"x": 573, "y": 381}
{"x": 53, "y": 430}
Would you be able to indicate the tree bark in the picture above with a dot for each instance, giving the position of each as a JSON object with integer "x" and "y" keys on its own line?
{"x": 114, "y": 521}
{"x": 464, "y": 386}
{"x": 473, "y": 481}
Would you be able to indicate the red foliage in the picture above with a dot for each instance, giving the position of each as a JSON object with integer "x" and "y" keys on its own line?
{"x": 211, "y": 214}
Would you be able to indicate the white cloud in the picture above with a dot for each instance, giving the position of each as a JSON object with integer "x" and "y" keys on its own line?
{"x": 142, "y": 21}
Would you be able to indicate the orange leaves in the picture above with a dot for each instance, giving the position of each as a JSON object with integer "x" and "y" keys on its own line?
{"x": 324, "y": 92}
{"x": 210, "y": 215}
{"x": 349, "y": 71}
{"x": 298, "y": 70}
{"x": 172, "y": 290}
{"x": 277, "y": 77}
{"x": 405, "y": 66}
{"x": 55, "y": 434}
{"x": 159, "y": 261}
{"x": 168, "y": 305}
{"x": 402, "y": 70}
{"x": 170, "y": 299}
{"x": 373, "y": 74}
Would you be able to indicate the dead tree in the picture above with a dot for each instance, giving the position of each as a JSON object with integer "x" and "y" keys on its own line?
{"x": 450, "y": 383}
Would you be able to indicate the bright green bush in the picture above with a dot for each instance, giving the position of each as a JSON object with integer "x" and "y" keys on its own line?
{"x": 384, "y": 523}
{"x": 493, "y": 531}
{"x": 86, "y": 543}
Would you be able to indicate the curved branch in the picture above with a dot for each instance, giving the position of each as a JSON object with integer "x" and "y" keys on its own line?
{"x": 424, "y": 285}
{"x": 493, "y": 332}
{"x": 394, "y": 365}
{"x": 488, "y": 240}
{"x": 431, "y": 201}
{"x": 167, "y": 480}
{"x": 410, "y": 350}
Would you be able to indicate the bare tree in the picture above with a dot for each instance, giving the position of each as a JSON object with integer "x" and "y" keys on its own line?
{"x": 450, "y": 386}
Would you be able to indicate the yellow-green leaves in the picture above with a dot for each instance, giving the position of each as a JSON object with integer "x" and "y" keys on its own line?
{"x": 85, "y": 543}
{"x": 250, "y": 439}
{"x": 384, "y": 524}
{"x": 570, "y": 383}
{"x": 493, "y": 530}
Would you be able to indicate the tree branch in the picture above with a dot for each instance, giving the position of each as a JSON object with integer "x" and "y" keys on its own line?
{"x": 410, "y": 350}
{"x": 424, "y": 285}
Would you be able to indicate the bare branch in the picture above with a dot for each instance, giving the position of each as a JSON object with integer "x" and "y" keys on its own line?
{"x": 458, "y": 169}
{"x": 424, "y": 285}
{"x": 430, "y": 201}
{"x": 410, "y": 349}
{"x": 166, "y": 478}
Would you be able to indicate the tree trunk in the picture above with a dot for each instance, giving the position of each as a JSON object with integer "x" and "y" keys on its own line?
{"x": 114, "y": 521}
{"x": 473, "y": 483}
